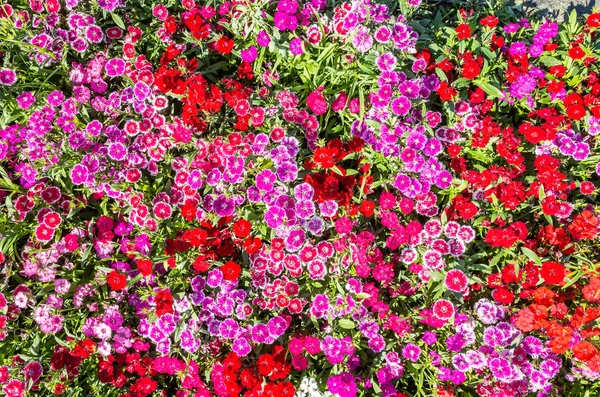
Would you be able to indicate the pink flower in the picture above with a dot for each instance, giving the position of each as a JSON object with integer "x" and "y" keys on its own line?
{"x": 443, "y": 309}
{"x": 43, "y": 233}
{"x": 456, "y": 281}
{"x": 162, "y": 210}
{"x": 316, "y": 102}
{"x": 343, "y": 225}
{"x": 340, "y": 102}
{"x": 14, "y": 388}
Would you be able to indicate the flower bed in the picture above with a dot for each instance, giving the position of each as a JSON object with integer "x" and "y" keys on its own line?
{"x": 297, "y": 199}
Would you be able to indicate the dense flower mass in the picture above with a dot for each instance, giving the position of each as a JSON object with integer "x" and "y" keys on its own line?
{"x": 298, "y": 198}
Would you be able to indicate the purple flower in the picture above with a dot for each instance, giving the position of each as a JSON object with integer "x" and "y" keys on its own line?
{"x": 304, "y": 191}
{"x": 500, "y": 368}
{"x": 328, "y": 208}
{"x": 383, "y": 34}
{"x": 214, "y": 278}
{"x": 143, "y": 244}
{"x": 277, "y": 326}
{"x": 25, "y": 100}
{"x": 241, "y": 347}
{"x": 455, "y": 343}
{"x": 94, "y": 34}
{"x": 443, "y": 179}
{"x": 377, "y": 343}
{"x": 460, "y": 362}
{"x": 429, "y": 338}
{"x": 224, "y": 206}
{"x": 295, "y": 240}
{"x": 518, "y": 48}
{"x": 188, "y": 342}
{"x": 287, "y": 172}
{"x": 315, "y": 225}
{"x": 296, "y": 46}
{"x": 342, "y": 385}
{"x": 260, "y": 332}
{"x": 386, "y": 62}
{"x": 362, "y": 41}
{"x": 582, "y": 151}
{"x": 305, "y": 209}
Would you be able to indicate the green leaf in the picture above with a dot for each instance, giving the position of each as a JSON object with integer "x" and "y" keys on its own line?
{"x": 573, "y": 20}
{"x": 573, "y": 280}
{"x": 497, "y": 258}
{"x": 491, "y": 90}
{"x": 531, "y": 255}
{"x": 347, "y": 324}
{"x": 118, "y": 20}
{"x": 549, "y": 61}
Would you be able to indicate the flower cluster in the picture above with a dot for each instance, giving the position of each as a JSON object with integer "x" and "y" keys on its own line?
{"x": 297, "y": 198}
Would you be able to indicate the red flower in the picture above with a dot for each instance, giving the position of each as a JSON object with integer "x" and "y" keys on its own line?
{"x": 490, "y": 21}
{"x": 553, "y": 273}
{"x": 143, "y": 387}
{"x": 201, "y": 264}
{"x": 471, "y": 70}
{"x": 188, "y": 211}
{"x": 265, "y": 364}
{"x": 445, "y": 65}
{"x": 59, "y": 389}
{"x": 224, "y": 45}
{"x": 445, "y": 91}
{"x": 503, "y": 295}
{"x": 231, "y": 271}
{"x": 252, "y": 244}
{"x": 591, "y": 292}
{"x": 367, "y": 208}
{"x": 576, "y": 52}
{"x": 242, "y": 228}
{"x": 116, "y": 280}
{"x": 576, "y": 112}
{"x": 593, "y": 20}
{"x": 584, "y": 350}
{"x": 584, "y": 226}
{"x": 463, "y": 31}
{"x": 144, "y": 266}
{"x": 557, "y": 70}
{"x": 323, "y": 157}
{"x": 164, "y": 302}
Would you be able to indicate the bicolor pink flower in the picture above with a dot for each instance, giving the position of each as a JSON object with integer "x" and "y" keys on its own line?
{"x": 443, "y": 309}
{"x": 162, "y": 210}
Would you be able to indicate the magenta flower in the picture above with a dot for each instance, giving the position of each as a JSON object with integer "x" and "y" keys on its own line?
{"x": 7, "y": 77}
{"x": 115, "y": 67}
{"x": 117, "y": 151}
{"x": 296, "y": 46}
{"x": 411, "y": 352}
{"x": 79, "y": 174}
{"x": 241, "y": 347}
